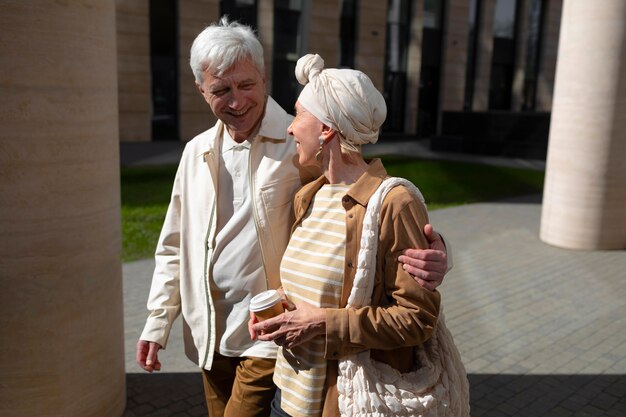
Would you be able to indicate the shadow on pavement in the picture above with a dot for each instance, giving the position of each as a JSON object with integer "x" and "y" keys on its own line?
{"x": 548, "y": 395}
{"x": 492, "y": 395}
{"x": 161, "y": 395}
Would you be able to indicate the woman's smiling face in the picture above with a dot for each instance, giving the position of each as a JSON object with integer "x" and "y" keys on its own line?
{"x": 236, "y": 97}
{"x": 306, "y": 130}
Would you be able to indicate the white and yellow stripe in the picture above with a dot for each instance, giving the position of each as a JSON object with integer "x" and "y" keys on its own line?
{"x": 312, "y": 272}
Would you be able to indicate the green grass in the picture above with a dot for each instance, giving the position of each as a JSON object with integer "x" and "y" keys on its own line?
{"x": 146, "y": 193}
{"x": 446, "y": 184}
{"x": 145, "y": 197}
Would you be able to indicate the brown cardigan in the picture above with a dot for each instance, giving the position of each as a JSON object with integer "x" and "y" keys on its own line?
{"x": 402, "y": 314}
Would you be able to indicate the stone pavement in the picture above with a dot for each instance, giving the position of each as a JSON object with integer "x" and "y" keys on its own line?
{"x": 541, "y": 330}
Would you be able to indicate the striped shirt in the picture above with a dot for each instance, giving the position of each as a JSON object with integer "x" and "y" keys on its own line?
{"x": 312, "y": 272}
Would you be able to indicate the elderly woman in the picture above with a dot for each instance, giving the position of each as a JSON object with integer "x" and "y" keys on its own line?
{"x": 338, "y": 111}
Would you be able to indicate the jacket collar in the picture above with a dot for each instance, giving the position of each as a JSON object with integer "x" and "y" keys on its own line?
{"x": 361, "y": 191}
{"x": 272, "y": 127}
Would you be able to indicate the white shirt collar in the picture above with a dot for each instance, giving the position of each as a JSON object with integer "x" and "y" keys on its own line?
{"x": 228, "y": 143}
{"x": 273, "y": 125}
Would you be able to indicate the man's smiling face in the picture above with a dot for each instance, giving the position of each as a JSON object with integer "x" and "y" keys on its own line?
{"x": 236, "y": 97}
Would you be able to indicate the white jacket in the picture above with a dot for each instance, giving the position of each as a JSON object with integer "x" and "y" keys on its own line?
{"x": 185, "y": 247}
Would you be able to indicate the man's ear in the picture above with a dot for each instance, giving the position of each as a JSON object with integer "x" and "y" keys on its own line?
{"x": 204, "y": 95}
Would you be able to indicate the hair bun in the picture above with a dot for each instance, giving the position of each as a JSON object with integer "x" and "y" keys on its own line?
{"x": 308, "y": 66}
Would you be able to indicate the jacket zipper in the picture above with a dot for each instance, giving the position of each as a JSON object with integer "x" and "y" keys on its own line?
{"x": 207, "y": 293}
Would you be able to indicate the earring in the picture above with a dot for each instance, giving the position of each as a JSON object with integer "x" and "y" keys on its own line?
{"x": 318, "y": 155}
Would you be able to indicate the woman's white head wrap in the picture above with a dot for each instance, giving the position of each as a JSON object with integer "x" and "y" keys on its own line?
{"x": 343, "y": 99}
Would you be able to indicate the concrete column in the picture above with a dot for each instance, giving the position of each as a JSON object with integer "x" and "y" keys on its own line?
{"x": 133, "y": 70}
{"x": 265, "y": 20}
{"x": 372, "y": 27}
{"x": 62, "y": 349}
{"x": 585, "y": 188}
{"x": 324, "y": 34}
{"x": 414, "y": 67}
{"x": 484, "y": 53}
{"x": 194, "y": 113}
{"x": 455, "y": 40}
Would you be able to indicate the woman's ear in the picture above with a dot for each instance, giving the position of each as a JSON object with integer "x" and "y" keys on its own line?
{"x": 327, "y": 132}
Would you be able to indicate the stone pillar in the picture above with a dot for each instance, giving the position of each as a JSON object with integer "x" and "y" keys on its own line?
{"x": 414, "y": 67}
{"x": 585, "y": 187}
{"x": 194, "y": 113}
{"x": 133, "y": 70}
{"x": 484, "y": 52}
{"x": 62, "y": 349}
{"x": 265, "y": 21}
{"x": 324, "y": 34}
{"x": 455, "y": 40}
{"x": 371, "y": 41}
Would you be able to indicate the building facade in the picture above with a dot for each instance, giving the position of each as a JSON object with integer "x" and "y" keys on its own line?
{"x": 472, "y": 75}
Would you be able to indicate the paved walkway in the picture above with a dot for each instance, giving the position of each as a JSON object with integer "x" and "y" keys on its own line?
{"x": 542, "y": 330}
{"x": 155, "y": 153}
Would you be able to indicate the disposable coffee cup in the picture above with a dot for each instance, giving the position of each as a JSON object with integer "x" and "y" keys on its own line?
{"x": 266, "y": 305}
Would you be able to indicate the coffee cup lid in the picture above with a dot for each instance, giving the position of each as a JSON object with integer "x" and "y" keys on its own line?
{"x": 264, "y": 300}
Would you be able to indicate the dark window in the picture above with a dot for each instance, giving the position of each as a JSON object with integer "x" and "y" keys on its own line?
{"x": 164, "y": 69}
{"x": 398, "y": 21}
{"x": 287, "y": 23}
{"x": 533, "y": 52}
{"x": 348, "y": 33}
{"x": 428, "y": 106}
{"x": 242, "y": 11}
{"x": 472, "y": 42}
{"x": 503, "y": 58}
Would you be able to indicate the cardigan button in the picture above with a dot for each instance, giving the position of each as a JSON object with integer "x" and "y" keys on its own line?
{"x": 349, "y": 264}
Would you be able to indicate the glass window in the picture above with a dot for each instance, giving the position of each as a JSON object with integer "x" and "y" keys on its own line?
{"x": 287, "y": 39}
{"x": 348, "y": 32}
{"x": 504, "y": 19}
{"x": 164, "y": 69}
{"x": 503, "y": 57}
{"x": 397, "y": 34}
{"x": 428, "y": 105}
{"x": 398, "y": 21}
{"x": 432, "y": 14}
{"x": 533, "y": 48}
{"x": 243, "y": 11}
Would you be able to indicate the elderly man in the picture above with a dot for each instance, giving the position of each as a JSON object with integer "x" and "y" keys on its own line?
{"x": 228, "y": 225}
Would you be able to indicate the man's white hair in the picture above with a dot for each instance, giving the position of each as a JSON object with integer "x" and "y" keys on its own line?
{"x": 221, "y": 45}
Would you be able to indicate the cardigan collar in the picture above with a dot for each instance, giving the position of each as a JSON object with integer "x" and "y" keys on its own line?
{"x": 361, "y": 191}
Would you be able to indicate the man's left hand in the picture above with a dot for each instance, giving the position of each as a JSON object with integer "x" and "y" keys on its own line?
{"x": 427, "y": 266}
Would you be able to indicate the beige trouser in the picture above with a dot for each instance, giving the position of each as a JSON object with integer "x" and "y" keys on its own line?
{"x": 239, "y": 387}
